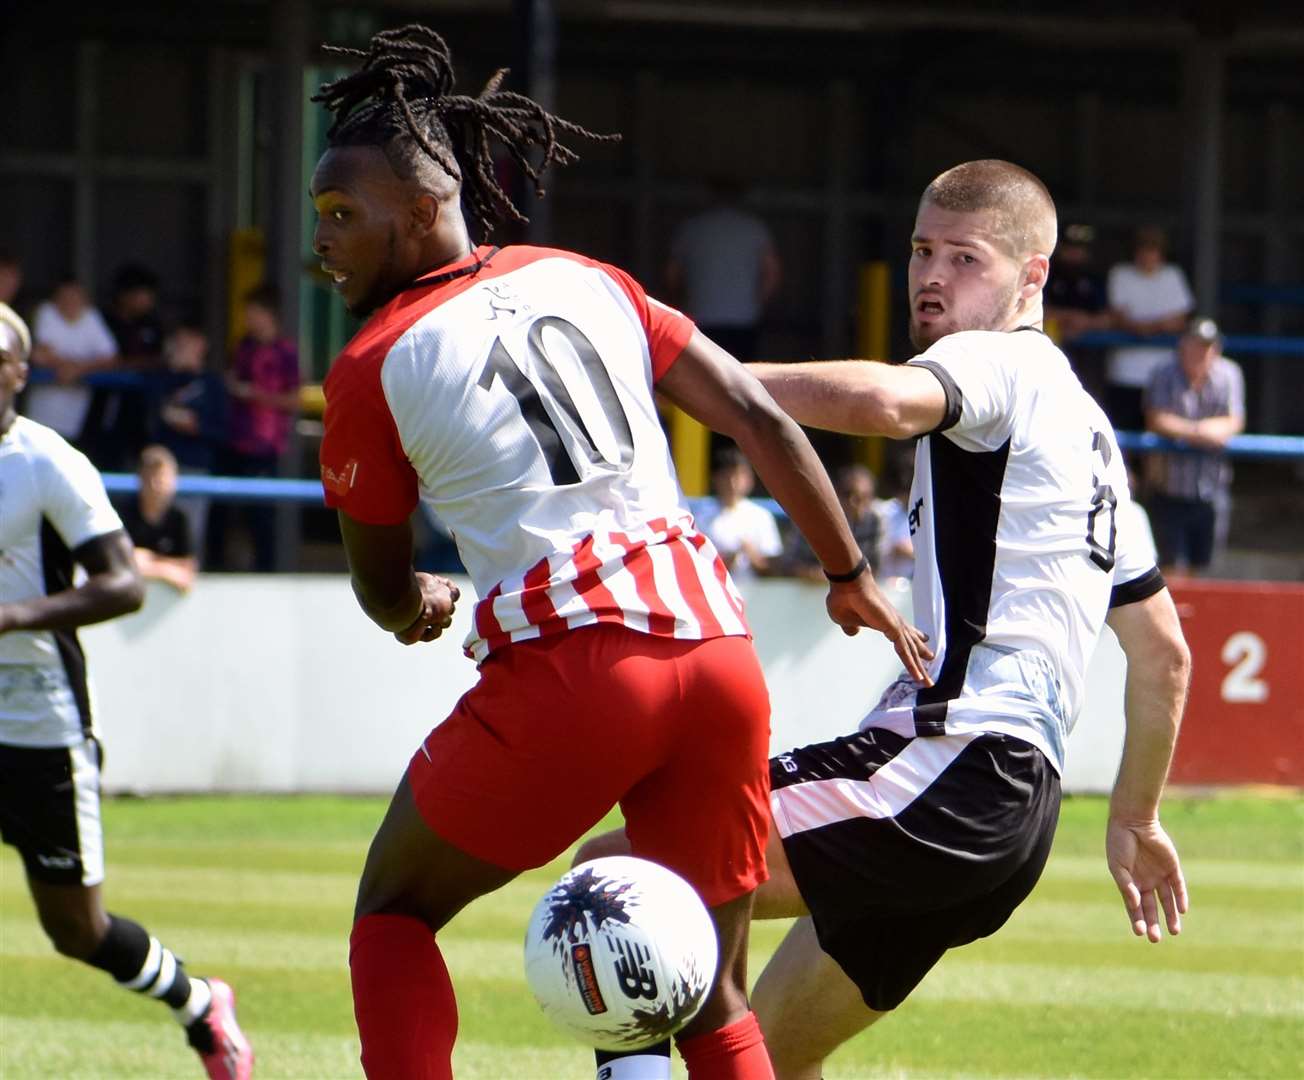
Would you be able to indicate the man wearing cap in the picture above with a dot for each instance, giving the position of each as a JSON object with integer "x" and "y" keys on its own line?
{"x": 1198, "y": 398}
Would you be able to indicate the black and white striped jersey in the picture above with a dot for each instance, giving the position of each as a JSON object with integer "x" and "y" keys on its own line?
{"x": 1020, "y": 548}
{"x": 51, "y": 502}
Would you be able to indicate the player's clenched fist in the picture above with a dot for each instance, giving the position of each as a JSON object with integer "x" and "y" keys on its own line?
{"x": 439, "y": 597}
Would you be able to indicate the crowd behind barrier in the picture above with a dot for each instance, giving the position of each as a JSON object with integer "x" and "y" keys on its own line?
{"x": 229, "y": 476}
{"x": 1278, "y": 447}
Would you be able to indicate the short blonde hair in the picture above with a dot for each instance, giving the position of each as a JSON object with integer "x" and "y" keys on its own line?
{"x": 12, "y": 322}
{"x": 1024, "y": 211}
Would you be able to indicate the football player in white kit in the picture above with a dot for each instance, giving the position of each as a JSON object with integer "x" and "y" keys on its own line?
{"x": 54, "y": 515}
{"x": 512, "y": 390}
{"x": 925, "y": 828}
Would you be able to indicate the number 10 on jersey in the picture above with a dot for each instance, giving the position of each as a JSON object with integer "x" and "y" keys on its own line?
{"x": 547, "y": 406}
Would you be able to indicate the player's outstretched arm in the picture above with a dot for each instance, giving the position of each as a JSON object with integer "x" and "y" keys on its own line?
{"x": 712, "y": 387}
{"x": 857, "y": 397}
{"x": 412, "y": 606}
{"x": 1142, "y": 858}
{"x": 112, "y": 588}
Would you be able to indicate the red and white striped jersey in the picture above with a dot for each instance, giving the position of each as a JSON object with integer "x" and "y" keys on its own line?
{"x": 517, "y": 402}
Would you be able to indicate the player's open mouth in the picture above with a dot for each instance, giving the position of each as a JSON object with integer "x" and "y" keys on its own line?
{"x": 339, "y": 277}
{"x": 929, "y": 307}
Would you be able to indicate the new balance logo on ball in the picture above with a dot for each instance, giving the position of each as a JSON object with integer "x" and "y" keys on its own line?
{"x": 637, "y": 979}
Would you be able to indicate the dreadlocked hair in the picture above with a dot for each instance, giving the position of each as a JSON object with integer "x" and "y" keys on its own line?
{"x": 401, "y": 100}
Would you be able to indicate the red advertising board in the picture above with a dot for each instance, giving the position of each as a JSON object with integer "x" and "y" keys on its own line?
{"x": 1244, "y": 720}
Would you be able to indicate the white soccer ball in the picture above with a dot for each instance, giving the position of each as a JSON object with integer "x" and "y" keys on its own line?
{"x": 620, "y": 953}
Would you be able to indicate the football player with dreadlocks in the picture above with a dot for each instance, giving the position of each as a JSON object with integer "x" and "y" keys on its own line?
{"x": 513, "y": 390}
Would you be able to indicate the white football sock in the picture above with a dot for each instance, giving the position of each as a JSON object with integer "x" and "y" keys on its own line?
{"x": 646, "y": 1066}
{"x": 196, "y": 1003}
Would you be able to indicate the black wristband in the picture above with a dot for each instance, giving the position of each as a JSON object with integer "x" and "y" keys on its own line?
{"x": 850, "y": 575}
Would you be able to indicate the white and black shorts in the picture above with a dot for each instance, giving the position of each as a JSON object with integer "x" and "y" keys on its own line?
{"x": 905, "y": 847}
{"x": 50, "y": 811}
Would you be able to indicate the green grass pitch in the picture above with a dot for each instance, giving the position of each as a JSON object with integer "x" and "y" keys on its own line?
{"x": 259, "y": 891}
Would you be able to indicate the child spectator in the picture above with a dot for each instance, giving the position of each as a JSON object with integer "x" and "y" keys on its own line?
{"x": 188, "y": 413}
{"x": 263, "y": 384}
{"x": 743, "y": 531}
{"x": 157, "y": 526}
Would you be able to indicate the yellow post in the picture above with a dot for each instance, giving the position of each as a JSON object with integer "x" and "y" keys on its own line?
{"x": 873, "y": 337}
{"x": 690, "y": 443}
{"x": 246, "y": 266}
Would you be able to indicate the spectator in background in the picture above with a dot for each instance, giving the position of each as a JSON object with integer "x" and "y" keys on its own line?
{"x": 156, "y": 525}
{"x": 1075, "y": 302}
{"x": 1147, "y": 297}
{"x": 855, "y": 487}
{"x": 898, "y": 556}
{"x": 263, "y": 386}
{"x": 188, "y": 413}
{"x": 1198, "y": 399}
{"x": 71, "y": 341}
{"x": 723, "y": 270}
{"x": 11, "y": 278}
{"x": 118, "y": 421}
{"x": 743, "y": 532}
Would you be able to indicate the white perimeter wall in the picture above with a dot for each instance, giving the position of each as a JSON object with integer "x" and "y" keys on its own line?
{"x": 280, "y": 684}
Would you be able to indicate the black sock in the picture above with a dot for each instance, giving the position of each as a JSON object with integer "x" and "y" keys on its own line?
{"x": 141, "y": 963}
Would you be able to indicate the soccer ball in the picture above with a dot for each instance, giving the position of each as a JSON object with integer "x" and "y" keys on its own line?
{"x": 620, "y": 953}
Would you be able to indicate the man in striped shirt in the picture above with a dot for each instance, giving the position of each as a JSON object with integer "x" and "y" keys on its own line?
{"x": 512, "y": 390}
{"x": 1197, "y": 398}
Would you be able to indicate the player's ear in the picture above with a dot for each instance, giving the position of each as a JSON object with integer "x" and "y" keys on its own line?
{"x": 1035, "y": 272}
{"x": 424, "y": 214}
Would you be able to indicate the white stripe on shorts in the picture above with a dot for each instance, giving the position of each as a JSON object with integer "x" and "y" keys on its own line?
{"x": 85, "y": 759}
{"x": 885, "y": 794}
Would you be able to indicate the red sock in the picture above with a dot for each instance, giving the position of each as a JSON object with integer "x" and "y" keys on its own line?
{"x": 736, "y": 1052}
{"x": 402, "y": 999}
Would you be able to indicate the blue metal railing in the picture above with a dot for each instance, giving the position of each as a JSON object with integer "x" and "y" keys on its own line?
{"x": 1244, "y": 292}
{"x": 1270, "y": 447}
{"x": 231, "y": 488}
{"x": 245, "y": 489}
{"x": 1234, "y": 344}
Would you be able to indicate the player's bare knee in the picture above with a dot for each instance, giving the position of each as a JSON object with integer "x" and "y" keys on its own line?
{"x": 791, "y": 1054}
